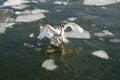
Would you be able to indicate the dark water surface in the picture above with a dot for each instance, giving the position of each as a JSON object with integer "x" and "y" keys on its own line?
{"x": 21, "y": 57}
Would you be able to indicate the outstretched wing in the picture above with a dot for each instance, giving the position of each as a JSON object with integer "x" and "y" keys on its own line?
{"x": 76, "y": 31}
{"x": 46, "y": 31}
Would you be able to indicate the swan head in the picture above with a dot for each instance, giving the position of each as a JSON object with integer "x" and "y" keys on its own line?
{"x": 62, "y": 25}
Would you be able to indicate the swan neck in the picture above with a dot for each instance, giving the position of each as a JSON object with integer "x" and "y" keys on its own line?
{"x": 61, "y": 32}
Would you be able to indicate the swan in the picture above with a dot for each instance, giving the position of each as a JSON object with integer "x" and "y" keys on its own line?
{"x": 59, "y": 35}
{"x": 55, "y": 35}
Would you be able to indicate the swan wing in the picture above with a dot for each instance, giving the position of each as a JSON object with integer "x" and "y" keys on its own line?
{"x": 46, "y": 31}
{"x": 74, "y": 34}
{"x": 76, "y": 31}
{"x": 74, "y": 27}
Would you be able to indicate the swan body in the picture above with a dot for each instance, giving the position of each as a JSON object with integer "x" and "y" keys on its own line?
{"x": 58, "y": 36}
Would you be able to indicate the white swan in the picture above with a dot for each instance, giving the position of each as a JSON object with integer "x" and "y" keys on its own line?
{"x": 58, "y": 36}
{"x": 55, "y": 35}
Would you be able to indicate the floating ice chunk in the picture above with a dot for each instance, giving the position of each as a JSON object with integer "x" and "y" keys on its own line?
{"x": 101, "y": 39}
{"x": 23, "y": 12}
{"x": 36, "y": 11}
{"x": 10, "y": 25}
{"x": 61, "y": 2}
{"x": 116, "y": 40}
{"x": 29, "y": 17}
{"x": 107, "y": 32}
{"x": 50, "y": 50}
{"x": 101, "y": 54}
{"x": 22, "y": 6}
{"x": 2, "y": 30}
{"x": 37, "y": 1}
{"x": 4, "y": 26}
{"x": 93, "y": 25}
{"x": 65, "y": 3}
{"x": 28, "y": 45}
{"x": 104, "y": 33}
{"x": 31, "y": 35}
{"x": 72, "y": 18}
{"x": 65, "y": 21}
{"x": 100, "y": 2}
{"x": 38, "y": 49}
{"x": 39, "y": 44}
{"x": 14, "y": 2}
{"x": 43, "y": 1}
{"x": 17, "y": 12}
{"x": 58, "y": 2}
{"x": 100, "y": 34}
{"x": 49, "y": 64}
{"x": 103, "y": 7}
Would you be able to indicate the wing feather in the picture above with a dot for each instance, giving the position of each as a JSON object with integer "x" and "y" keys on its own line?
{"x": 47, "y": 31}
{"x": 76, "y": 31}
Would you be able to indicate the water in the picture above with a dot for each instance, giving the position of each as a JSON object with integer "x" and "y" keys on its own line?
{"x": 21, "y": 56}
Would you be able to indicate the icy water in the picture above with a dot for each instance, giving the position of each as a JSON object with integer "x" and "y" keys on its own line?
{"x": 22, "y": 54}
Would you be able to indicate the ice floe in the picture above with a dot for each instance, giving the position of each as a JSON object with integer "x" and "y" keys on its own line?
{"x": 31, "y": 35}
{"x": 4, "y": 26}
{"x": 22, "y": 6}
{"x": 101, "y": 54}
{"x": 30, "y": 15}
{"x": 104, "y": 33}
{"x": 5, "y": 20}
{"x": 72, "y": 18}
{"x": 116, "y": 40}
{"x": 103, "y": 7}
{"x": 61, "y": 2}
{"x": 43, "y": 1}
{"x": 49, "y": 64}
{"x": 14, "y": 2}
{"x": 100, "y": 2}
{"x": 36, "y": 11}
{"x": 28, "y": 45}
